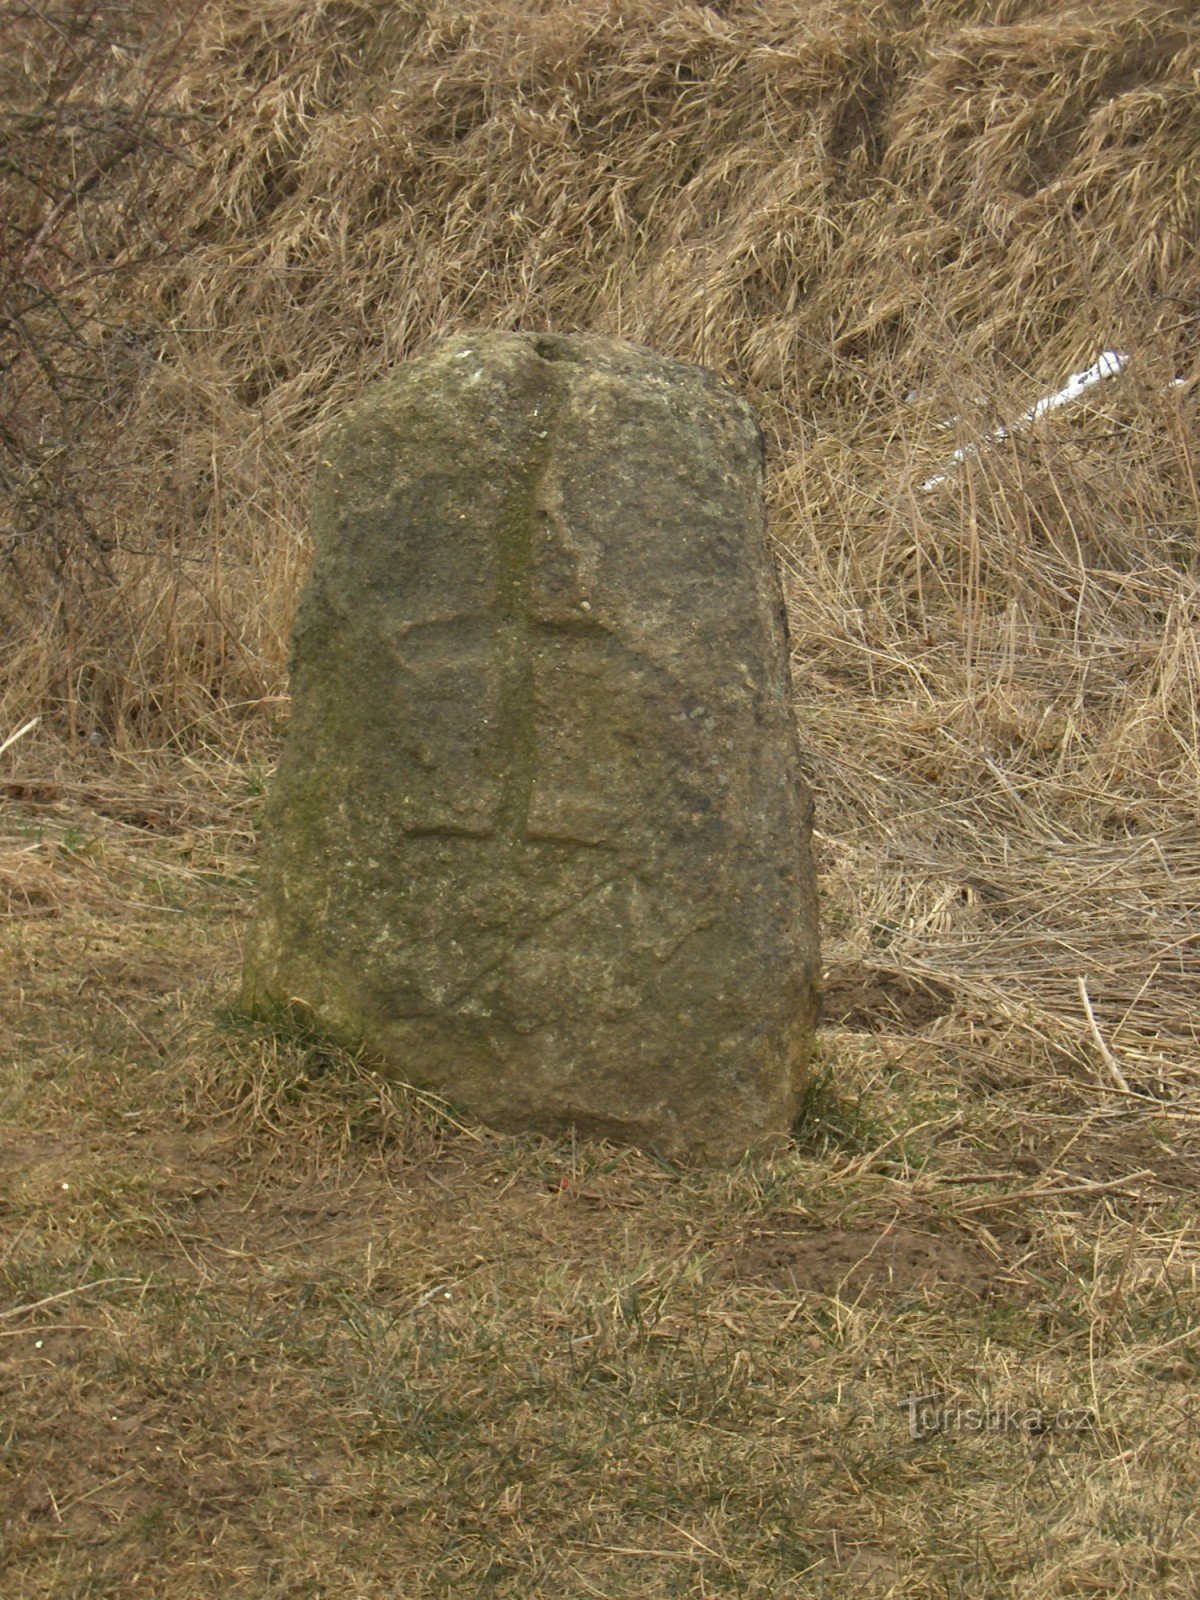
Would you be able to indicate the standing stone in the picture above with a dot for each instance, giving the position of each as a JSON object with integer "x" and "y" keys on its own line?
{"x": 539, "y": 839}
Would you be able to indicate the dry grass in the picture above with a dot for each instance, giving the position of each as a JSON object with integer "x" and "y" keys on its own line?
{"x": 874, "y": 219}
{"x": 272, "y": 1326}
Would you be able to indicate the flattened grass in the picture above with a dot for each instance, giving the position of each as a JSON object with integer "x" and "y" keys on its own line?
{"x": 271, "y": 1325}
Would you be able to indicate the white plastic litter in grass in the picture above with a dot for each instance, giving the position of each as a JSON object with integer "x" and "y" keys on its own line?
{"x": 1107, "y": 365}
{"x": 20, "y": 734}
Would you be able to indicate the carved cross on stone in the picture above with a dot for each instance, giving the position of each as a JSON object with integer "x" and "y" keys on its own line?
{"x": 471, "y": 689}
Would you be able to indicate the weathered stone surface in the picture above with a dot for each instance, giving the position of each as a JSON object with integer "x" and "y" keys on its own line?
{"x": 539, "y": 838}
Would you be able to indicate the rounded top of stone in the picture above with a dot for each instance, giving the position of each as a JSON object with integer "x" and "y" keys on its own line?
{"x": 474, "y": 373}
{"x": 600, "y": 349}
{"x": 599, "y": 353}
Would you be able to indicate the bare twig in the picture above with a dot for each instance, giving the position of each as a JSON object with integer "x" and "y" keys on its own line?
{"x": 65, "y": 1294}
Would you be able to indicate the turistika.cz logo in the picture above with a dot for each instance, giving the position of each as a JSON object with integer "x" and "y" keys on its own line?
{"x": 930, "y": 1413}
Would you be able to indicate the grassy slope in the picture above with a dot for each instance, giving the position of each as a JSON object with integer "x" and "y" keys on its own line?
{"x": 312, "y": 1334}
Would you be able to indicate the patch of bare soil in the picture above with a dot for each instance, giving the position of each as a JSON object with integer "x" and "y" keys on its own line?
{"x": 1157, "y": 1156}
{"x": 858, "y": 1264}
